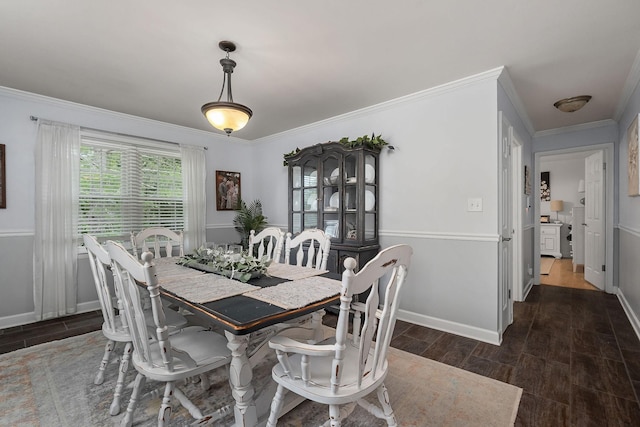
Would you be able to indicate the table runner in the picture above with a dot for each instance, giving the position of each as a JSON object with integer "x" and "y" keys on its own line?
{"x": 206, "y": 288}
{"x": 288, "y": 295}
{"x": 168, "y": 271}
{"x": 292, "y": 272}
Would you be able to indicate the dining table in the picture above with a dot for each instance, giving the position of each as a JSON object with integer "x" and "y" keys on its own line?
{"x": 285, "y": 298}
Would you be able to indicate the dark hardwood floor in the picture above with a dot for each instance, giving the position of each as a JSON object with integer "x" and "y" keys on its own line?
{"x": 573, "y": 352}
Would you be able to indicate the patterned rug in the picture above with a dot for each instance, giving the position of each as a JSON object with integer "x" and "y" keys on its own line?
{"x": 52, "y": 385}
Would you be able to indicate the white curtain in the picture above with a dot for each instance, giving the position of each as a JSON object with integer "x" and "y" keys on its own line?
{"x": 55, "y": 246}
{"x": 194, "y": 178}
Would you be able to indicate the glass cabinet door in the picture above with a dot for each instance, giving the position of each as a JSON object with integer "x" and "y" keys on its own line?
{"x": 334, "y": 187}
{"x": 336, "y": 190}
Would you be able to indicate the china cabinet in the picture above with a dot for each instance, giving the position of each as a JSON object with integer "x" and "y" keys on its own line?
{"x": 335, "y": 188}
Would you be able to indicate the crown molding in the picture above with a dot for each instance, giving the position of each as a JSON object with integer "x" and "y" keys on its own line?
{"x": 492, "y": 74}
{"x": 507, "y": 84}
{"x": 629, "y": 87}
{"x": 575, "y": 128}
{"x": 21, "y": 95}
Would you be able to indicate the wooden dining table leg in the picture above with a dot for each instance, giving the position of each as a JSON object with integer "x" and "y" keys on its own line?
{"x": 240, "y": 376}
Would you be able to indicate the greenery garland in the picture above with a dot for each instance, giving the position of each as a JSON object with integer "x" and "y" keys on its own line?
{"x": 239, "y": 266}
{"x": 374, "y": 141}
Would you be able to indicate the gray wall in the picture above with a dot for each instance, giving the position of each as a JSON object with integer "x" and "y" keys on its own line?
{"x": 443, "y": 135}
{"x": 18, "y": 133}
{"x": 628, "y": 223}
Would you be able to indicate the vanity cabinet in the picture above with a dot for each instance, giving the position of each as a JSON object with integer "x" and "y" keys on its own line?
{"x": 550, "y": 240}
{"x": 335, "y": 188}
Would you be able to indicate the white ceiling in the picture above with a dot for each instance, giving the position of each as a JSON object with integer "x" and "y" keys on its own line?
{"x": 300, "y": 62}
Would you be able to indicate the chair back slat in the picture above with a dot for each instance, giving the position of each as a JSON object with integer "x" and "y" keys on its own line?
{"x": 156, "y": 238}
{"x": 319, "y": 245}
{"x": 274, "y": 239}
{"x": 129, "y": 275}
{"x": 393, "y": 263}
{"x": 99, "y": 259}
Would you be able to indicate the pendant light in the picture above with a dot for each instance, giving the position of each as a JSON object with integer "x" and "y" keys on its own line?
{"x": 227, "y": 115}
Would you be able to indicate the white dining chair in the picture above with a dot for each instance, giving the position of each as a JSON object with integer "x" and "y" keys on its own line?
{"x": 317, "y": 245}
{"x": 267, "y": 243}
{"x": 167, "y": 358}
{"x": 157, "y": 239}
{"x": 114, "y": 326}
{"x": 341, "y": 371}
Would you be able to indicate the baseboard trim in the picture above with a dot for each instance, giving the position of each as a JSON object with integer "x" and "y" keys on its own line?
{"x": 635, "y": 323}
{"x": 484, "y": 335}
{"x": 27, "y": 318}
{"x": 527, "y": 289}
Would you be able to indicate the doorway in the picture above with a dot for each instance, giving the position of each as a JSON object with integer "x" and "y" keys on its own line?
{"x": 571, "y": 198}
{"x": 563, "y": 275}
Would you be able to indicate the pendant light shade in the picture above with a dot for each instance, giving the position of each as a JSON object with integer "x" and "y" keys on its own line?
{"x": 227, "y": 115}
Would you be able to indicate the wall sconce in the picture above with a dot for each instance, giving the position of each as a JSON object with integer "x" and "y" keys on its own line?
{"x": 557, "y": 206}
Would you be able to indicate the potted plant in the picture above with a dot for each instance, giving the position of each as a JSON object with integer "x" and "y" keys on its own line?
{"x": 249, "y": 217}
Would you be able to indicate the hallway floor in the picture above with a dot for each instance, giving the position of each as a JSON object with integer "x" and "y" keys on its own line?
{"x": 573, "y": 351}
{"x": 562, "y": 275}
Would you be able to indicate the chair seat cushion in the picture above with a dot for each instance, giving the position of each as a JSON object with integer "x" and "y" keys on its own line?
{"x": 319, "y": 371}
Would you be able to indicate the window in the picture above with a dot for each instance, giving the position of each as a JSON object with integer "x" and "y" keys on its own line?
{"x": 127, "y": 185}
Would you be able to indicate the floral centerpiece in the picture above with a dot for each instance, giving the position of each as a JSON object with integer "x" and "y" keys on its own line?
{"x": 239, "y": 266}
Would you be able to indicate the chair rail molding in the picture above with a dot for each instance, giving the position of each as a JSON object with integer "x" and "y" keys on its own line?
{"x": 472, "y": 237}
{"x": 16, "y": 233}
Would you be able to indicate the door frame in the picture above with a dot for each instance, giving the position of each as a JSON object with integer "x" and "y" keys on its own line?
{"x": 505, "y": 140}
{"x": 609, "y": 159}
{"x": 518, "y": 198}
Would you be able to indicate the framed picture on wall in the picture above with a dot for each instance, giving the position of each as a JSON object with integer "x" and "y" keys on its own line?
{"x": 632, "y": 152}
{"x": 227, "y": 190}
{"x": 3, "y": 177}
{"x": 545, "y": 186}
{"x": 527, "y": 180}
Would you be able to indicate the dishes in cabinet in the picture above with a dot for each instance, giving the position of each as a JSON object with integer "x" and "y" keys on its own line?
{"x": 351, "y": 180}
{"x": 369, "y": 200}
{"x": 335, "y": 174}
{"x": 334, "y": 201}
{"x": 296, "y": 204}
{"x": 313, "y": 180}
{"x": 369, "y": 174}
{"x": 313, "y": 203}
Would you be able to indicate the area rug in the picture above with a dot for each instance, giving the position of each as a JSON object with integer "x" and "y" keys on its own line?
{"x": 545, "y": 265}
{"x": 52, "y": 385}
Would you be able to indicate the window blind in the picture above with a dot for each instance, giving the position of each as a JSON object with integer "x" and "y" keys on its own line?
{"x": 126, "y": 187}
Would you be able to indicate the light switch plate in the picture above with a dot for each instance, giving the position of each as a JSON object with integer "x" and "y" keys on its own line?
{"x": 474, "y": 204}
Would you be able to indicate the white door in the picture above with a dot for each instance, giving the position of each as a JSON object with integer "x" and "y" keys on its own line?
{"x": 594, "y": 208}
{"x": 505, "y": 261}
